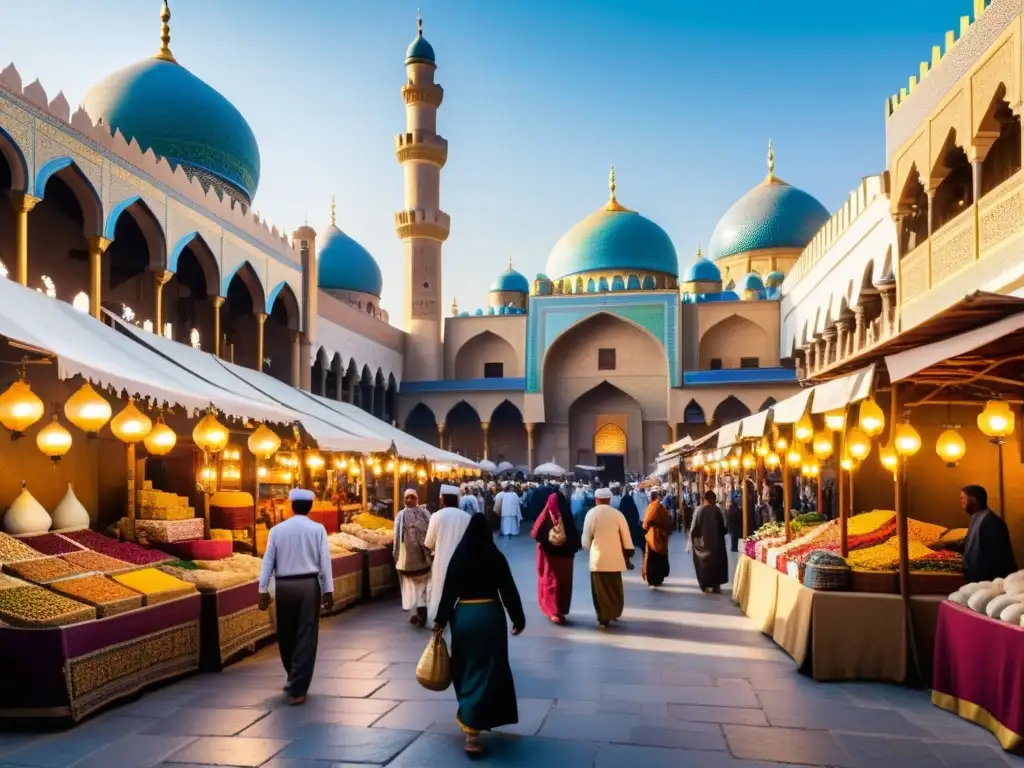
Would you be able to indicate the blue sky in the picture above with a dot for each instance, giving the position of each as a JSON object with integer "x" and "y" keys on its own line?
{"x": 539, "y": 98}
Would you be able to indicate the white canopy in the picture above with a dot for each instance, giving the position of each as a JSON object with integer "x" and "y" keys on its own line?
{"x": 549, "y": 468}
{"x": 728, "y": 434}
{"x": 505, "y": 466}
{"x": 790, "y": 410}
{"x": 754, "y": 425}
{"x": 841, "y": 392}
{"x": 488, "y": 466}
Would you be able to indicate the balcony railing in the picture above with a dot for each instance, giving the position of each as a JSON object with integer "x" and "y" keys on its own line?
{"x": 914, "y": 278}
{"x": 1001, "y": 213}
{"x": 953, "y": 246}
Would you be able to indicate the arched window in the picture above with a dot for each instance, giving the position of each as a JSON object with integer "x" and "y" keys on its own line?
{"x": 610, "y": 439}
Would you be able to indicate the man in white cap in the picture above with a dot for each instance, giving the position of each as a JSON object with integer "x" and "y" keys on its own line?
{"x": 299, "y": 559}
{"x": 606, "y": 536}
{"x": 444, "y": 533}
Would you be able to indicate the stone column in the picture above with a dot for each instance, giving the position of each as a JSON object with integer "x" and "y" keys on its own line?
{"x": 858, "y": 328}
{"x": 440, "y": 436}
{"x": 976, "y": 169}
{"x": 485, "y": 426}
{"x": 529, "y": 445}
{"x": 97, "y": 246}
{"x": 798, "y": 359}
{"x": 218, "y": 302}
{"x": 673, "y": 431}
{"x": 843, "y": 339}
{"x": 296, "y": 358}
{"x": 160, "y": 279}
{"x": 887, "y": 307}
{"x": 828, "y": 339}
{"x": 22, "y": 204}
{"x": 261, "y": 318}
{"x": 809, "y": 356}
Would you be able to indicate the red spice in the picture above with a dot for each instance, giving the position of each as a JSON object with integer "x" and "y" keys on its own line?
{"x": 52, "y": 544}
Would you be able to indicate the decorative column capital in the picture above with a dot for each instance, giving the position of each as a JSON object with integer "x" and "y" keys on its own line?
{"x": 485, "y": 425}
{"x": 98, "y": 243}
{"x": 529, "y": 428}
{"x": 218, "y": 302}
{"x": 440, "y": 428}
{"x": 162, "y": 276}
{"x": 22, "y": 202}
{"x": 261, "y": 318}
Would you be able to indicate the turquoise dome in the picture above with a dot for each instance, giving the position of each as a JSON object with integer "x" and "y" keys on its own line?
{"x": 510, "y": 281}
{"x": 751, "y": 282}
{"x": 774, "y": 279}
{"x": 771, "y": 215}
{"x": 703, "y": 271}
{"x": 166, "y": 108}
{"x": 613, "y": 239}
{"x": 344, "y": 265}
{"x": 419, "y": 49}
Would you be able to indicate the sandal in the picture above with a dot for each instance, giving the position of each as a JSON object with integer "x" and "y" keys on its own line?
{"x": 473, "y": 746}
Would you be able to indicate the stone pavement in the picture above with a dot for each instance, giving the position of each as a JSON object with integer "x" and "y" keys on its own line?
{"x": 684, "y": 681}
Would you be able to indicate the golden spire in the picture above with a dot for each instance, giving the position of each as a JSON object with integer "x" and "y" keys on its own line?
{"x": 455, "y": 306}
{"x": 613, "y": 204}
{"x": 165, "y": 35}
{"x": 771, "y": 160}
{"x": 510, "y": 262}
{"x": 700, "y": 253}
{"x": 333, "y": 211}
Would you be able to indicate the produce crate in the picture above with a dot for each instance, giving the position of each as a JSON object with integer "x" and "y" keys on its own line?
{"x": 381, "y": 576}
{"x": 170, "y": 531}
{"x": 156, "y": 586}
{"x": 51, "y": 544}
{"x": 71, "y": 671}
{"x": 232, "y": 623}
{"x": 349, "y": 578}
{"x": 12, "y": 550}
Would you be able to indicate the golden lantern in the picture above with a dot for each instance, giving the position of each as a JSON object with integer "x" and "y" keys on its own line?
{"x": 794, "y": 457}
{"x": 391, "y": 466}
{"x": 88, "y": 410}
{"x": 406, "y": 468}
{"x": 804, "y": 428}
{"x": 906, "y": 441}
{"x": 54, "y": 440}
{"x": 889, "y": 458}
{"x": 857, "y": 444}
{"x": 262, "y": 473}
{"x": 823, "y": 445}
{"x": 835, "y": 420}
{"x": 996, "y": 421}
{"x": 763, "y": 448}
{"x": 848, "y": 463}
{"x": 342, "y": 464}
{"x": 315, "y": 461}
{"x": 208, "y": 474}
{"x": 781, "y": 444}
{"x": 748, "y": 461}
{"x": 353, "y": 469}
{"x": 263, "y": 442}
{"x": 376, "y": 469}
{"x": 810, "y": 468}
{"x": 872, "y": 419}
{"x": 422, "y": 474}
{"x": 210, "y": 435}
{"x": 734, "y": 462}
{"x": 161, "y": 439}
{"x": 950, "y": 447}
{"x": 771, "y": 460}
{"x": 20, "y": 407}
{"x": 131, "y": 425}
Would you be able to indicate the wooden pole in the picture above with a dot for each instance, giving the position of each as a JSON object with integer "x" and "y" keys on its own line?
{"x": 900, "y": 499}
{"x": 844, "y": 544}
{"x": 130, "y": 451}
{"x": 396, "y": 477}
{"x": 787, "y": 490}
{"x": 362, "y": 481}
{"x": 746, "y": 513}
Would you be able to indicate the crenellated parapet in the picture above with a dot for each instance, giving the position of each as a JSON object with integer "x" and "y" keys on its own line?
{"x": 430, "y": 94}
{"x": 422, "y": 146}
{"x": 421, "y": 223}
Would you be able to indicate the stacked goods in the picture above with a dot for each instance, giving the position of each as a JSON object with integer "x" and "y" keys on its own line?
{"x": 155, "y": 586}
{"x": 376, "y": 536}
{"x": 205, "y": 581}
{"x": 36, "y": 607}
{"x": 238, "y": 563}
{"x": 886, "y": 557}
{"x": 350, "y": 541}
{"x": 157, "y": 505}
{"x": 339, "y": 550}
{"x": 43, "y": 570}
{"x": 12, "y": 550}
{"x": 1001, "y": 599}
{"x": 170, "y": 531}
{"x": 51, "y": 544}
{"x": 119, "y": 550}
{"x": 97, "y": 563}
{"x": 232, "y": 510}
{"x": 864, "y": 530}
{"x": 373, "y": 522}
{"x": 107, "y": 596}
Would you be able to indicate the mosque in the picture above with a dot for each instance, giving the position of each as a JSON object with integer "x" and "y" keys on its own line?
{"x": 141, "y": 201}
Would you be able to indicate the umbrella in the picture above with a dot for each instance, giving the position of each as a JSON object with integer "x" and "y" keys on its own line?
{"x": 505, "y": 466}
{"x": 549, "y": 469}
{"x": 487, "y": 466}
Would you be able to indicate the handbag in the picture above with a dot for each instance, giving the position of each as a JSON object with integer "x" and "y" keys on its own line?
{"x": 403, "y": 556}
{"x": 434, "y": 669}
{"x": 556, "y": 536}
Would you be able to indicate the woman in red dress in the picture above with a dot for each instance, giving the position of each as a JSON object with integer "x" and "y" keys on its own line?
{"x": 555, "y": 561}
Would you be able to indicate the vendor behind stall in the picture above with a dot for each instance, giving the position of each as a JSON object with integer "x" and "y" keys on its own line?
{"x": 988, "y": 553}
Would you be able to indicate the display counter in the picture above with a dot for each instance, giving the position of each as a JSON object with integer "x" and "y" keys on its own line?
{"x": 70, "y": 671}
{"x": 380, "y": 571}
{"x": 231, "y": 623}
{"x": 347, "y": 571}
{"x": 978, "y": 672}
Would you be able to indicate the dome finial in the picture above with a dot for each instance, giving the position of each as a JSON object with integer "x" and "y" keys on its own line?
{"x": 333, "y": 211}
{"x": 165, "y": 34}
{"x": 510, "y": 262}
{"x": 455, "y": 306}
{"x": 700, "y": 253}
{"x": 419, "y": 23}
{"x": 613, "y": 204}
{"x": 771, "y": 160}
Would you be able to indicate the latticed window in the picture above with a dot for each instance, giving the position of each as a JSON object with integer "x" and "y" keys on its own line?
{"x": 610, "y": 439}
{"x": 606, "y": 359}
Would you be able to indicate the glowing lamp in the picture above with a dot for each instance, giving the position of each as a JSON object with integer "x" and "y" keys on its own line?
{"x": 353, "y": 469}
{"x": 858, "y": 445}
{"x": 210, "y": 435}
{"x": 872, "y": 419}
{"x": 889, "y": 458}
{"x": 771, "y": 460}
{"x": 950, "y": 447}
{"x": 342, "y": 464}
{"x": 804, "y": 428}
{"x": 748, "y": 461}
{"x": 391, "y": 466}
{"x": 406, "y": 469}
{"x": 263, "y": 442}
{"x": 794, "y": 457}
{"x": 422, "y": 474}
{"x": 131, "y": 425}
{"x": 738, "y": 450}
{"x": 810, "y": 468}
{"x": 781, "y": 445}
{"x": 906, "y": 441}
{"x": 848, "y": 463}
{"x": 208, "y": 474}
{"x": 20, "y": 408}
{"x": 54, "y": 440}
{"x": 376, "y": 469}
{"x": 315, "y": 461}
{"x": 733, "y": 462}
{"x": 835, "y": 420}
{"x": 161, "y": 439}
{"x": 87, "y": 410}
{"x": 763, "y": 448}
{"x": 996, "y": 421}
{"x": 823, "y": 445}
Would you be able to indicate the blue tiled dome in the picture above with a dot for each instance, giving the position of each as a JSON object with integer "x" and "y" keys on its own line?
{"x": 703, "y": 271}
{"x": 771, "y": 215}
{"x": 774, "y": 279}
{"x": 166, "y": 108}
{"x": 751, "y": 282}
{"x": 344, "y": 265}
{"x": 511, "y": 281}
{"x": 419, "y": 50}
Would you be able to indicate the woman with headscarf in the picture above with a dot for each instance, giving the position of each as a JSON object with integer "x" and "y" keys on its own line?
{"x": 478, "y": 591}
{"x": 707, "y": 541}
{"x": 630, "y": 511}
{"x": 469, "y": 503}
{"x": 658, "y": 525}
{"x": 555, "y": 561}
{"x": 412, "y": 558}
{"x": 734, "y": 517}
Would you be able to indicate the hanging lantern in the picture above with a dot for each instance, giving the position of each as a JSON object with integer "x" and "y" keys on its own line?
{"x": 794, "y": 457}
{"x": 738, "y": 450}
{"x": 20, "y": 407}
{"x": 771, "y": 460}
{"x": 315, "y": 461}
{"x": 131, "y": 425}
{"x": 763, "y": 448}
{"x": 161, "y": 439}
{"x": 996, "y": 421}
{"x": 734, "y": 462}
{"x": 835, "y": 420}
{"x": 848, "y": 463}
{"x": 88, "y": 410}
{"x": 823, "y": 445}
{"x": 748, "y": 461}
{"x": 376, "y": 469}
{"x": 262, "y": 473}
{"x": 391, "y": 466}
{"x": 210, "y": 435}
{"x": 781, "y": 444}
{"x": 804, "y": 428}
{"x": 906, "y": 440}
{"x": 872, "y": 419}
{"x": 263, "y": 442}
{"x": 810, "y": 468}
{"x": 857, "y": 444}
{"x": 951, "y": 447}
{"x": 342, "y": 464}
{"x": 54, "y": 440}
{"x": 422, "y": 474}
{"x": 889, "y": 458}
{"x": 353, "y": 469}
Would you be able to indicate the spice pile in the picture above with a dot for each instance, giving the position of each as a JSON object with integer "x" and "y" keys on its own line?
{"x": 52, "y": 544}
{"x": 12, "y": 549}
{"x": 106, "y": 595}
{"x": 119, "y": 550}
{"x": 94, "y": 561}
{"x": 156, "y": 586}
{"x": 43, "y": 570}
{"x": 33, "y": 606}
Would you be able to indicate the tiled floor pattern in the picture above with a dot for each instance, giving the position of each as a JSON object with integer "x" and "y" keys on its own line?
{"x": 683, "y": 681}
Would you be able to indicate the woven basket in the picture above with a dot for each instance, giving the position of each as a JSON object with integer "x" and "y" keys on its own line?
{"x": 827, "y": 577}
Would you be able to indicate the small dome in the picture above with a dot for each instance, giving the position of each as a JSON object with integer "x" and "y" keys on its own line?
{"x": 703, "y": 271}
{"x": 751, "y": 282}
{"x": 774, "y": 279}
{"x": 419, "y": 49}
{"x": 541, "y": 276}
{"x": 510, "y": 281}
{"x": 480, "y": 312}
{"x": 345, "y": 265}
{"x": 771, "y": 215}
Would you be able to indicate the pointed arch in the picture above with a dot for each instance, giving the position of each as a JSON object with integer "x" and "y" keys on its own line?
{"x": 610, "y": 439}
{"x": 693, "y": 413}
{"x": 769, "y": 403}
{"x": 283, "y": 299}
{"x": 68, "y": 171}
{"x": 201, "y": 251}
{"x": 464, "y": 430}
{"x": 142, "y": 216}
{"x": 421, "y": 423}
{"x": 618, "y": 284}
{"x": 602, "y": 285}
{"x": 649, "y": 283}
{"x": 15, "y": 160}
{"x": 732, "y": 339}
{"x": 729, "y": 410}
{"x": 479, "y": 354}
{"x": 246, "y": 273}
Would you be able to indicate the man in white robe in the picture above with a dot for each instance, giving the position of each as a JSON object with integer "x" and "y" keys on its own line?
{"x": 444, "y": 533}
{"x": 511, "y": 511}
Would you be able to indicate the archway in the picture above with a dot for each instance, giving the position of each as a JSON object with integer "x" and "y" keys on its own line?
{"x": 390, "y": 409}
{"x": 693, "y": 413}
{"x": 11, "y": 164}
{"x": 239, "y": 326}
{"x": 486, "y": 356}
{"x": 422, "y": 424}
{"x": 334, "y": 377}
{"x": 734, "y": 342}
{"x": 137, "y": 249}
{"x": 955, "y": 192}
{"x": 1004, "y": 156}
{"x": 606, "y": 411}
{"x": 366, "y": 390}
{"x": 912, "y": 212}
{"x": 188, "y": 295}
{"x": 463, "y": 431}
{"x": 379, "y": 388}
{"x": 318, "y": 373}
{"x": 279, "y": 331}
{"x": 730, "y": 410}
{"x": 769, "y": 403}
{"x": 506, "y": 437}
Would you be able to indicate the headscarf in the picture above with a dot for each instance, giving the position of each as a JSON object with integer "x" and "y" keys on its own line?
{"x": 476, "y": 556}
{"x": 469, "y": 503}
{"x": 556, "y": 508}
{"x": 415, "y": 521}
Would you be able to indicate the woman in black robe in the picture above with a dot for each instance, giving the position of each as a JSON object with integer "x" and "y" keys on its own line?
{"x": 707, "y": 540}
{"x": 735, "y": 515}
{"x": 629, "y": 511}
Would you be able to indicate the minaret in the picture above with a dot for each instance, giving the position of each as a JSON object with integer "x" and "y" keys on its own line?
{"x": 422, "y": 225}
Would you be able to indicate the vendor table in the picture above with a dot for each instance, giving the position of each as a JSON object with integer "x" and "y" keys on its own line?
{"x": 979, "y": 672}
{"x": 72, "y": 671}
{"x": 232, "y": 622}
{"x": 347, "y": 571}
{"x": 380, "y": 571}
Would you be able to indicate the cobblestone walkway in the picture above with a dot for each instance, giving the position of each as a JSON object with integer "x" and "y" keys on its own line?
{"x": 683, "y": 681}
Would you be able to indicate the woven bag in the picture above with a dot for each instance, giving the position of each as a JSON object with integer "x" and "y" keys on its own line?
{"x": 434, "y": 670}
{"x": 556, "y": 536}
{"x": 827, "y": 577}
